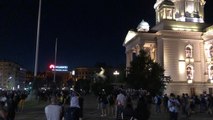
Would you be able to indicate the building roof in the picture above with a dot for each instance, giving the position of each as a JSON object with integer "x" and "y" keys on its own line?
{"x": 167, "y": 3}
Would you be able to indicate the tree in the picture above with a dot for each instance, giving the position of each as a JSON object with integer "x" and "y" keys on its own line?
{"x": 83, "y": 84}
{"x": 97, "y": 86}
{"x": 146, "y": 74}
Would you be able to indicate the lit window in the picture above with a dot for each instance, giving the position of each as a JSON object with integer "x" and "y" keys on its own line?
{"x": 211, "y": 51}
{"x": 189, "y": 72}
{"x": 188, "y": 51}
{"x": 210, "y": 72}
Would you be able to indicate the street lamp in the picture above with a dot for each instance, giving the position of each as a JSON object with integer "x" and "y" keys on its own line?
{"x": 73, "y": 73}
{"x": 116, "y": 73}
{"x": 74, "y": 80}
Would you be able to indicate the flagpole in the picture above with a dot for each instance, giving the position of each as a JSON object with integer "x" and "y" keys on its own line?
{"x": 37, "y": 40}
{"x": 56, "y": 45}
{"x": 34, "y": 86}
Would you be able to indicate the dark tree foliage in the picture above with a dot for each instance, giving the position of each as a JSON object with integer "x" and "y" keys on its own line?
{"x": 146, "y": 74}
{"x": 83, "y": 84}
{"x": 104, "y": 84}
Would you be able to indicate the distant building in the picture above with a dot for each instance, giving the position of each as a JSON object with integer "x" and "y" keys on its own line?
{"x": 30, "y": 76}
{"x": 61, "y": 78}
{"x": 97, "y": 73}
{"x": 12, "y": 75}
{"x": 85, "y": 73}
{"x": 181, "y": 42}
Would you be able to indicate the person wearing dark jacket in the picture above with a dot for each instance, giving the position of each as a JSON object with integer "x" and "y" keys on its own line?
{"x": 128, "y": 110}
{"x": 142, "y": 112}
{"x": 11, "y": 108}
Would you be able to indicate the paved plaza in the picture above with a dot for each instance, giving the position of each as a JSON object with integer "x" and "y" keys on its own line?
{"x": 92, "y": 113}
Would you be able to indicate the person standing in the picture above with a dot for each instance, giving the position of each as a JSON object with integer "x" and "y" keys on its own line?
{"x": 21, "y": 102}
{"x": 81, "y": 104}
{"x": 11, "y": 107}
{"x": 165, "y": 102}
{"x": 111, "y": 107}
{"x": 157, "y": 100}
{"x": 120, "y": 103}
{"x": 142, "y": 110}
{"x": 73, "y": 112}
{"x": 128, "y": 110}
{"x": 104, "y": 103}
{"x": 173, "y": 105}
{"x": 53, "y": 111}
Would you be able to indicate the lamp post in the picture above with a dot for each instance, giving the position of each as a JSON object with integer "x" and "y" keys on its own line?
{"x": 74, "y": 80}
{"x": 37, "y": 40}
{"x": 34, "y": 87}
{"x": 116, "y": 73}
{"x": 56, "y": 44}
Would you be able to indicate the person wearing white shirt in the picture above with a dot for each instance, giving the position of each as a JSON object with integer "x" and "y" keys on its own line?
{"x": 53, "y": 111}
{"x": 120, "y": 104}
{"x": 74, "y": 102}
{"x": 74, "y": 111}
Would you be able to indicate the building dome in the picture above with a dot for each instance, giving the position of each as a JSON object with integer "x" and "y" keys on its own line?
{"x": 143, "y": 26}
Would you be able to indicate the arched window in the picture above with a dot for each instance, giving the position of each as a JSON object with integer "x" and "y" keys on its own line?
{"x": 210, "y": 68}
{"x": 189, "y": 72}
{"x": 188, "y": 51}
{"x": 211, "y": 51}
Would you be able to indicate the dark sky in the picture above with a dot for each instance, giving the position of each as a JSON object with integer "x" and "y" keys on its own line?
{"x": 88, "y": 31}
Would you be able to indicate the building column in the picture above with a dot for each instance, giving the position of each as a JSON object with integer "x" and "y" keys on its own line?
{"x": 129, "y": 58}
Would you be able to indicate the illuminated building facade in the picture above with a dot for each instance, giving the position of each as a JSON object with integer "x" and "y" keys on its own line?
{"x": 181, "y": 42}
{"x": 12, "y": 75}
{"x": 85, "y": 73}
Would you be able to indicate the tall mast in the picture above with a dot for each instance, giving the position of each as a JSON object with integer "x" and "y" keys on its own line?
{"x": 56, "y": 44}
{"x": 37, "y": 40}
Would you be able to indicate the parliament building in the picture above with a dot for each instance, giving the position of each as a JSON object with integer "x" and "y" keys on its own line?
{"x": 181, "y": 42}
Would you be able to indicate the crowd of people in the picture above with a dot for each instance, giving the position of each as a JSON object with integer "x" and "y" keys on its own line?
{"x": 184, "y": 104}
{"x": 130, "y": 104}
{"x": 118, "y": 103}
{"x": 10, "y": 103}
{"x": 66, "y": 106}
{"x": 121, "y": 104}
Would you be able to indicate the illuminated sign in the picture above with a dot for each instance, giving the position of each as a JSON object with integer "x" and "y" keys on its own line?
{"x": 58, "y": 68}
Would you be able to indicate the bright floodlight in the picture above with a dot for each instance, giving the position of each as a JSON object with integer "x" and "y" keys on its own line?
{"x": 116, "y": 73}
{"x": 73, "y": 72}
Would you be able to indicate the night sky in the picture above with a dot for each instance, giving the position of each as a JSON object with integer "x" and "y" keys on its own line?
{"x": 88, "y": 31}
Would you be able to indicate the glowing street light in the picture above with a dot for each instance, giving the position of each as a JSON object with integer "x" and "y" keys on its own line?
{"x": 73, "y": 73}
{"x": 116, "y": 73}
